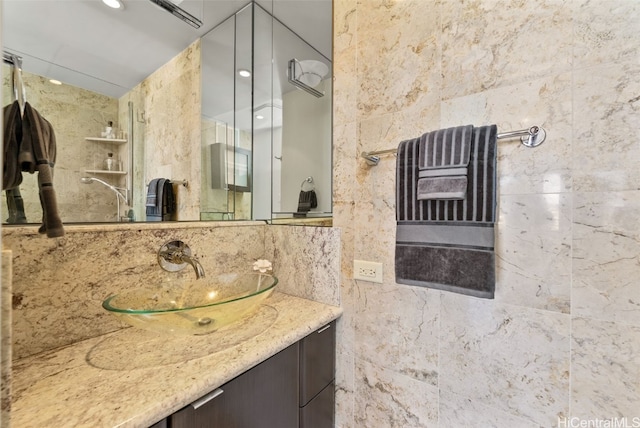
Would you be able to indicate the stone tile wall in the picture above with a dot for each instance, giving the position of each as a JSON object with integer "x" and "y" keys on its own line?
{"x": 560, "y": 339}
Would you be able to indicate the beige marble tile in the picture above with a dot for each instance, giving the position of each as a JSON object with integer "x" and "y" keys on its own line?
{"x": 396, "y": 60}
{"x": 344, "y": 62}
{"x": 5, "y": 338}
{"x": 347, "y": 327}
{"x": 605, "y": 119}
{"x": 375, "y": 134}
{"x": 605, "y": 370}
{"x": 346, "y": 337}
{"x": 345, "y": 385}
{"x": 397, "y": 327}
{"x": 510, "y": 358}
{"x": 342, "y": 211}
{"x": 345, "y": 159}
{"x": 605, "y": 31}
{"x": 344, "y": 409}
{"x": 386, "y": 132}
{"x": 59, "y": 285}
{"x": 375, "y": 235}
{"x": 306, "y": 260}
{"x": 345, "y": 356}
{"x": 457, "y": 411}
{"x": 493, "y": 43}
{"x": 388, "y": 399}
{"x": 606, "y": 244}
{"x": 533, "y": 249}
{"x": 543, "y": 102}
{"x": 345, "y": 352}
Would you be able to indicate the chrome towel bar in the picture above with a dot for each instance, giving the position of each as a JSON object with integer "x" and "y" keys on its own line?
{"x": 530, "y": 137}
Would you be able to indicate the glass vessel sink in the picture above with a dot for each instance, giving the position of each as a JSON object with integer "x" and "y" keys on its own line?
{"x": 201, "y": 307}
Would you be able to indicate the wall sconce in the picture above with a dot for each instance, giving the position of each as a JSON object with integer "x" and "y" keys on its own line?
{"x": 307, "y": 74}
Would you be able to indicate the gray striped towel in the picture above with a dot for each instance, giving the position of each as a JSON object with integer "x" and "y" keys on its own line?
{"x": 448, "y": 244}
{"x": 443, "y": 160}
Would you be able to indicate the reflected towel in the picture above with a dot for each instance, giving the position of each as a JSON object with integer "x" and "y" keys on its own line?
{"x": 161, "y": 203}
{"x": 306, "y": 201}
{"x": 15, "y": 206}
{"x": 152, "y": 196}
{"x": 154, "y": 199}
{"x": 11, "y": 174}
{"x": 168, "y": 200}
{"x": 39, "y": 145}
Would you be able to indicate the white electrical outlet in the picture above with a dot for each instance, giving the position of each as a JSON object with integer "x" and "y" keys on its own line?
{"x": 367, "y": 271}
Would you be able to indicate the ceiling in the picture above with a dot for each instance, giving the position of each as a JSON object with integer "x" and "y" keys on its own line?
{"x": 85, "y": 43}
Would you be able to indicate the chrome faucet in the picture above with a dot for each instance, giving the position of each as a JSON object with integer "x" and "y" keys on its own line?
{"x": 176, "y": 255}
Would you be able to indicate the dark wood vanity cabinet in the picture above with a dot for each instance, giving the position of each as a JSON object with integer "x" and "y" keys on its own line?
{"x": 294, "y": 388}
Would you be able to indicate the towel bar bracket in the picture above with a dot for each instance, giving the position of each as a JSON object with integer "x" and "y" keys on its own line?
{"x": 373, "y": 158}
{"x": 309, "y": 182}
{"x": 530, "y": 137}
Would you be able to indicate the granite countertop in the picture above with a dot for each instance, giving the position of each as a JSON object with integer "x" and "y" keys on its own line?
{"x": 134, "y": 378}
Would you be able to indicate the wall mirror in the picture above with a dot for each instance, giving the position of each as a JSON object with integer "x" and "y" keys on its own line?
{"x": 235, "y": 147}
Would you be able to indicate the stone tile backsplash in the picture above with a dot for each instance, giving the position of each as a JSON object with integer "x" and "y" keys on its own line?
{"x": 59, "y": 284}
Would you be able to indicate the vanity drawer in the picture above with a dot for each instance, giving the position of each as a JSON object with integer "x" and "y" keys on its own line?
{"x": 317, "y": 362}
{"x": 319, "y": 412}
{"x": 264, "y": 396}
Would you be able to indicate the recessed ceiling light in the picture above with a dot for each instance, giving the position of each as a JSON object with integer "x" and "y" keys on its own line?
{"x": 259, "y": 116}
{"x": 115, "y": 4}
{"x": 55, "y": 82}
{"x": 244, "y": 73}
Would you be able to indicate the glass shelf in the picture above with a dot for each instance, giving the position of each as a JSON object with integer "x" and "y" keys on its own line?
{"x": 106, "y": 140}
{"x": 104, "y": 171}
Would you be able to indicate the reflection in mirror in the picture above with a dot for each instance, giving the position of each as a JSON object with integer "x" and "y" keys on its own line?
{"x": 242, "y": 144}
{"x": 291, "y": 128}
{"x": 225, "y": 95}
{"x": 79, "y": 117}
{"x": 304, "y": 149}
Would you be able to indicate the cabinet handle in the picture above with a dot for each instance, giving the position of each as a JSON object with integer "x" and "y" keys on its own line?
{"x": 326, "y": 327}
{"x": 204, "y": 400}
